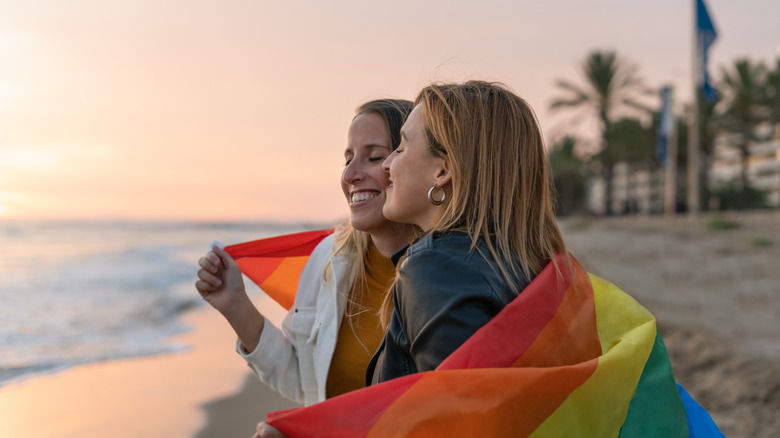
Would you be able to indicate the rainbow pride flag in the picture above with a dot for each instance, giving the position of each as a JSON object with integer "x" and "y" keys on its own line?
{"x": 275, "y": 264}
{"x": 571, "y": 356}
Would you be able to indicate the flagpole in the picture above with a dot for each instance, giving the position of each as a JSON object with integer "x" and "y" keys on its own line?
{"x": 670, "y": 176}
{"x": 693, "y": 129}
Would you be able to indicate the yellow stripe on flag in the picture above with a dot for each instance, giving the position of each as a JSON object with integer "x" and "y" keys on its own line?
{"x": 627, "y": 336}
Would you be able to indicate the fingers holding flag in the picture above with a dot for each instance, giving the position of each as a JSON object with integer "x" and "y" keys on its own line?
{"x": 219, "y": 280}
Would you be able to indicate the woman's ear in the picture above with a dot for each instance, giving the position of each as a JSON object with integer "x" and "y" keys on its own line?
{"x": 444, "y": 176}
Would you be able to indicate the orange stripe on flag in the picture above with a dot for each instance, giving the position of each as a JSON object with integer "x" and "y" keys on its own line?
{"x": 571, "y": 336}
{"x": 555, "y": 386}
{"x": 481, "y": 402}
{"x": 530, "y": 312}
{"x": 275, "y": 263}
{"x": 364, "y": 406}
{"x": 259, "y": 272}
{"x": 282, "y": 284}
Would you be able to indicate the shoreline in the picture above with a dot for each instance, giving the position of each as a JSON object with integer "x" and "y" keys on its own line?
{"x": 168, "y": 395}
{"x": 238, "y": 414}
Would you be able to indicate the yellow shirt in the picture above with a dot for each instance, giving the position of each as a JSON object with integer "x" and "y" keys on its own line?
{"x": 357, "y": 342}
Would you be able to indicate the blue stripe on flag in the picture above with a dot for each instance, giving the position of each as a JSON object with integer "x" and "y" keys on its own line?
{"x": 700, "y": 424}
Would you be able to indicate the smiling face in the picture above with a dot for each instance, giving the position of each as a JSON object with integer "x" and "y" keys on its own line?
{"x": 414, "y": 169}
{"x": 363, "y": 180}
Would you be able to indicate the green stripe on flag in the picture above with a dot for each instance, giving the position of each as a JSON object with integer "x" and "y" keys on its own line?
{"x": 656, "y": 410}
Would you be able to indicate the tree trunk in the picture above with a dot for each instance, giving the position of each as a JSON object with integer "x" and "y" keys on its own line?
{"x": 608, "y": 189}
{"x": 606, "y": 162}
{"x": 744, "y": 150}
{"x": 704, "y": 183}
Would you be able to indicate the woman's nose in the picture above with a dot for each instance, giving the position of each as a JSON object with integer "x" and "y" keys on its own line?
{"x": 386, "y": 163}
{"x": 352, "y": 172}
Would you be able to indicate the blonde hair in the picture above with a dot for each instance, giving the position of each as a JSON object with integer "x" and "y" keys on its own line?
{"x": 351, "y": 242}
{"x": 501, "y": 188}
{"x": 354, "y": 245}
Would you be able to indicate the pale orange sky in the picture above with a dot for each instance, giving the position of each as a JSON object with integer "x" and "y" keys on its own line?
{"x": 211, "y": 110}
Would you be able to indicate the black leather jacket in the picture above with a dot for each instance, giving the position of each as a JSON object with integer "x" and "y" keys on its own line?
{"x": 443, "y": 293}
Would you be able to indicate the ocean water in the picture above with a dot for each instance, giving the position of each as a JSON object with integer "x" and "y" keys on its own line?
{"x": 79, "y": 292}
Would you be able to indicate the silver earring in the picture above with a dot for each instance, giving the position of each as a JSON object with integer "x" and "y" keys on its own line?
{"x": 433, "y": 201}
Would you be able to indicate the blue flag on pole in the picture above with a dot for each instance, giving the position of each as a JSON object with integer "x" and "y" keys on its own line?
{"x": 665, "y": 125}
{"x": 705, "y": 36}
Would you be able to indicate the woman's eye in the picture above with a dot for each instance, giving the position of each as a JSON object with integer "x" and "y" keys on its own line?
{"x": 349, "y": 160}
{"x": 380, "y": 158}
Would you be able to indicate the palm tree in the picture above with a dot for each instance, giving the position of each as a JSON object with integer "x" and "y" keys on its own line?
{"x": 632, "y": 143}
{"x": 568, "y": 176}
{"x": 772, "y": 94}
{"x": 743, "y": 88}
{"x": 610, "y": 85}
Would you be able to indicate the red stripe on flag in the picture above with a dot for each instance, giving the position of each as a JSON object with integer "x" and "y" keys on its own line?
{"x": 525, "y": 317}
{"x": 500, "y": 401}
{"x": 496, "y": 402}
{"x": 275, "y": 263}
{"x": 259, "y": 272}
{"x": 288, "y": 245}
{"x": 282, "y": 285}
{"x": 366, "y": 405}
{"x": 571, "y": 336}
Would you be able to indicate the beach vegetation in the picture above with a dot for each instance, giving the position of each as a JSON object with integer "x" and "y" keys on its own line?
{"x": 771, "y": 94}
{"x": 569, "y": 177}
{"x": 745, "y": 112}
{"x": 744, "y": 108}
{"x": 720, "y": 223}
{"x": 577, "y": 223}
{"x": 633, "y": 142}
{"x": 733, "y": 196}
{"x": 611, "y": 87}
{"x": 761, "y": 242}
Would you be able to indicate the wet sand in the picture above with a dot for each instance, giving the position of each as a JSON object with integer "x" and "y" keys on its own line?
{"x": 173, "y": 395}
{"x": 238, "y": 414}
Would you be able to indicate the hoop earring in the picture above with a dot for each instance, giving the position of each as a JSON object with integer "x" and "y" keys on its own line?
{"x": 433, "y": 201}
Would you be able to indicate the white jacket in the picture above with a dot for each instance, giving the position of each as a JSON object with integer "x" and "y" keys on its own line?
{"x": 295, "y": 359}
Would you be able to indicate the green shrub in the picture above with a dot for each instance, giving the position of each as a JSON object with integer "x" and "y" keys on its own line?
{"x": 761, "y": 242}
{"x": 718, "y": 223}
{"x": 576, "y": 224}
{"x": 731, "y": 197}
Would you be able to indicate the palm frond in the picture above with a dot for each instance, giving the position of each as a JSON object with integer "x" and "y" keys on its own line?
{"x": 568, "y": 103}
{"x": 638, "y": 105}
{"x": 568, "y": 86}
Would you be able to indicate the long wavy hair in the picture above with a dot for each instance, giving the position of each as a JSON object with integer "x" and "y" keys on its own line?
{"x": 501, "y": 189}
{"x": 353, "y": 243}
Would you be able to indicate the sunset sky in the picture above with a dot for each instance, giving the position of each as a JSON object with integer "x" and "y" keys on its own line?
{"x": 238, "y": 110}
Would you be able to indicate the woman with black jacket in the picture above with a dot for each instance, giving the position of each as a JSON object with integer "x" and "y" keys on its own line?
{"x": 471, "y": 171}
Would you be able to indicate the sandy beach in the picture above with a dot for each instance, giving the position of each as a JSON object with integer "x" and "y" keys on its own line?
{"x": 185, "y": 394}
{"x": 715, "y": 295}
{"x": 714, "y": 292}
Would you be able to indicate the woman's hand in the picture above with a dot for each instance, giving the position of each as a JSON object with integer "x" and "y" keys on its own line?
{"x": 220, "y": 282}
{"x": 266, "y": 431}
{"x": 221, "y": 285}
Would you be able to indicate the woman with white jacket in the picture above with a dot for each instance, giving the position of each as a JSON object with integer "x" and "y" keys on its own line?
{"x": 333, "y": 329}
